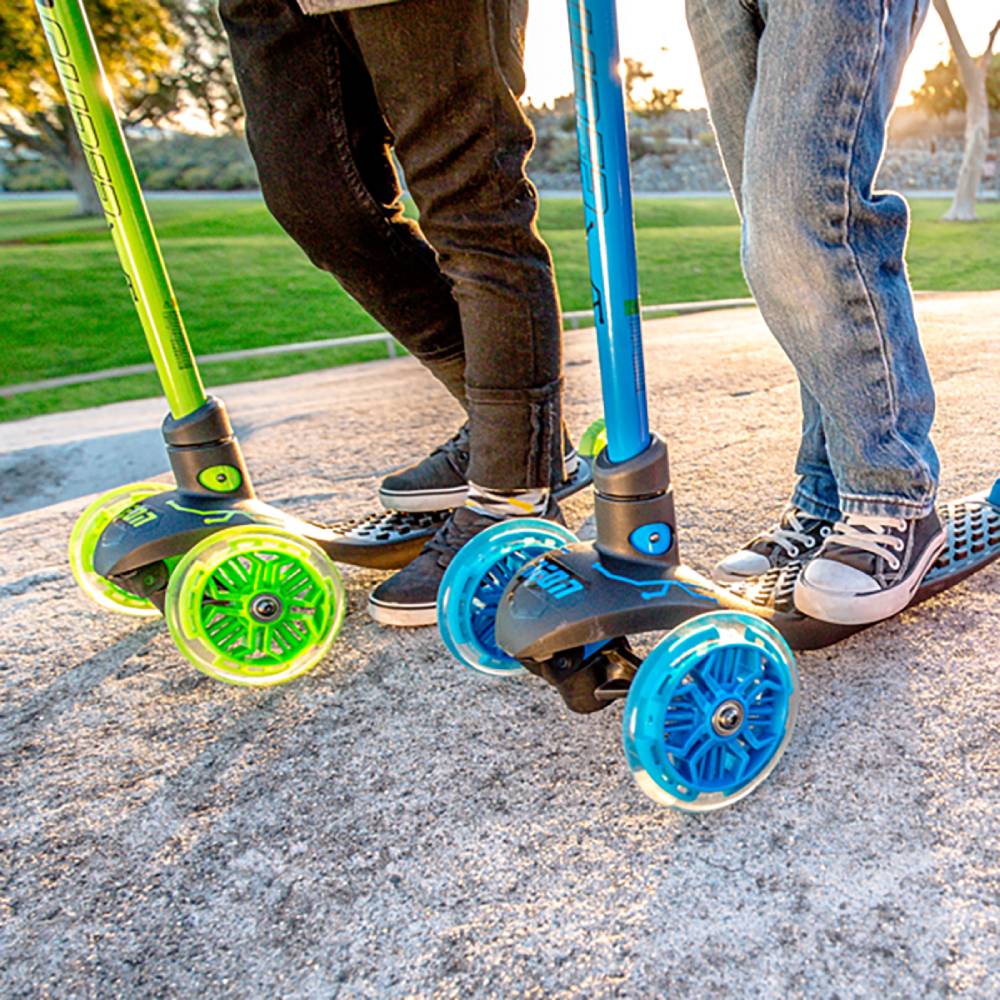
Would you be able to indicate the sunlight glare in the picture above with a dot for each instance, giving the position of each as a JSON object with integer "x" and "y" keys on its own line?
{"x": 657, "y": 35}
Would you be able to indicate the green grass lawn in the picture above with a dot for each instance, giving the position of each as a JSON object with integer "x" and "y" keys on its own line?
{"x": 242, "y": 283}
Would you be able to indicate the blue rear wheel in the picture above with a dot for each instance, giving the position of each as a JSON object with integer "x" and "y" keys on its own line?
{"x": 710, "y": 712}
{"x": 474, "y": 582}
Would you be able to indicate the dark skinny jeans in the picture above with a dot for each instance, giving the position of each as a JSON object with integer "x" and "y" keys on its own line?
{"x": 470, "y": 291}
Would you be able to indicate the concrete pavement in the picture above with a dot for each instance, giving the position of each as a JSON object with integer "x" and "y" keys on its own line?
{"x": 391, "y": 825}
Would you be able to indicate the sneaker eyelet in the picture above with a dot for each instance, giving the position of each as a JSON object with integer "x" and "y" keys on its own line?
{"x": 894, "y": 563}
{"x": 811, "y": 543}
{"x": 825, "y": 532}
{"x": 793, "y": 552}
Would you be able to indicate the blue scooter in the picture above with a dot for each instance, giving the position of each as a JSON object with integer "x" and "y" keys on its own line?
{"x": 709, "y": 712}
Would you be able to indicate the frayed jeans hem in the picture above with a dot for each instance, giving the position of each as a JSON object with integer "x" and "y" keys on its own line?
{"x": 885, "y": 506}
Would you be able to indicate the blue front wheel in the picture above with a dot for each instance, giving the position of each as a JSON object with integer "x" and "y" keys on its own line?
{"x": 710, "y": 711}
{"x": 474, "y": 582}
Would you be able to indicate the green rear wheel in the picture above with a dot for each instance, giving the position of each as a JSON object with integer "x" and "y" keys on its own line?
{"x": 255, "y": 605}
{"x": 594, "y": 440}
{"x": 83, "y": 543}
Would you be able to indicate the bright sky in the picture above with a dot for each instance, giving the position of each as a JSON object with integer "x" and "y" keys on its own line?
{"x": 647, "y": 27}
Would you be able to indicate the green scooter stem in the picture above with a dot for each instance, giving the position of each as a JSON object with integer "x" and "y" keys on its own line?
{"x": 88, "y": 95}
{"x": 213, "y": 484}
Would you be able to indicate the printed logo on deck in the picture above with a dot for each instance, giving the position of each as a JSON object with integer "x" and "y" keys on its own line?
{"x": 137, "y": 515}
{"x": 555, "y": 581}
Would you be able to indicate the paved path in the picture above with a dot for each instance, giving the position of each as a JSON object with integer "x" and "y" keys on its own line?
{"x": 393, "y": 826}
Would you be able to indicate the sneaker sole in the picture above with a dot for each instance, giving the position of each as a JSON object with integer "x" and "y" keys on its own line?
{"x": 724, "y": 576}
{"x": 866, "y": 609}
{"x": 403, "y": 615}
{"x": 423, "y": 502}
{"x": 430, "y": 501}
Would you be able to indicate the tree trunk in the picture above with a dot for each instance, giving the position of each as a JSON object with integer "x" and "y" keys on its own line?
{"x": 977, "y": 135}
{"x": 75, "y": 165}
{"x": 972, "y": 73}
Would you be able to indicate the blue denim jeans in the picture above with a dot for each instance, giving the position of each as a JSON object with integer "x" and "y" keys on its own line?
{"x": 799, "y": 93}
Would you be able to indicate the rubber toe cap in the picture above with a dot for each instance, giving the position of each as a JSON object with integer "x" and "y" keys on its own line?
{"x": 838, "y": 578}
{"x": 743, "y": 564}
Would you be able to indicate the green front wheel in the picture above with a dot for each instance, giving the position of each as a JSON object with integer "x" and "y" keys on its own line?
{"x": 83, "y": 543}
{"x": 255, "y": 605}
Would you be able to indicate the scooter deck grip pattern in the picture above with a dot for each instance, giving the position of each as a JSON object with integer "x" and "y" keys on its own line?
{"x": 973, "y": 525}
{"x": 393, "y": 539}
{"x": 385, "y": 540}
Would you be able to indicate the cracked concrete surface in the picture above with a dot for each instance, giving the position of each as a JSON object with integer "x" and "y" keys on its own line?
{"x": 392, "y": 825}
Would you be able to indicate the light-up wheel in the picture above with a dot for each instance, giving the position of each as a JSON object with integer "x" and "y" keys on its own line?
{"x": 83, "y": 543}
{"x": 710, "y": 711}
{"x": 255, "y": 605}
{"x": 474, "y": 582}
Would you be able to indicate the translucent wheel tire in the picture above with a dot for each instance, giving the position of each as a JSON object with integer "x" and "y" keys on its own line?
{"x": 83, "y": 543}
{"x": 474, "y": 582}
{"x": 594, "y": 440}
{"x": 255, "y": 605}
{"x": 710, "y": 712}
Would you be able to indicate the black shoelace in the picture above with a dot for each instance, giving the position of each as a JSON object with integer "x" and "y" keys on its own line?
{"x": 456, "y": 450}
{"x": 452, "y": 535}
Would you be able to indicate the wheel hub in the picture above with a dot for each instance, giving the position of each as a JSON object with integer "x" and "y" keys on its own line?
{"x": 266, "y": 608}
{"x": 728, "y": 717}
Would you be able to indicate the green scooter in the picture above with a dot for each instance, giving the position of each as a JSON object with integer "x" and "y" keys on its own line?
{"x": 251, "y": 594}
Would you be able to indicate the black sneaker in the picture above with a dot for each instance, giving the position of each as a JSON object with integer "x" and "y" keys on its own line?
{"x": 869, "y": 568}
{"x": 438, "y": 482}
{"x": 409, "y": 598}
{"x": 797, "y": 535}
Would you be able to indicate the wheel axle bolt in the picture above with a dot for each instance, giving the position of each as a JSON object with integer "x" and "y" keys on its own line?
{"x": 266, "y": 608}
{"x": 728, "y": 717}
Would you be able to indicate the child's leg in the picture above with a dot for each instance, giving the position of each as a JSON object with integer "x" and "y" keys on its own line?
{"x": 321, "y": 148}
{"x": 445, "y": 74}
{"x": 799, "y": 96}
{"x": 727, "y": 35}
{"x": 824, "y": 254}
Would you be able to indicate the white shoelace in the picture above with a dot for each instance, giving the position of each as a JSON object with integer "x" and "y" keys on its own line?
{"x": 868, "y": 533}
{"x": 791, "y": 538}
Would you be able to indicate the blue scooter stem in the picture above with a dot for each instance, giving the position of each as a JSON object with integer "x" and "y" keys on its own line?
{"x": 607, "y": 200}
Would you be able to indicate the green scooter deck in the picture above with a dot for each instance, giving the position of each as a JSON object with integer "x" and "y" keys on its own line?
{"x": 392, "y": 539}
{"x": 134, "y": 550}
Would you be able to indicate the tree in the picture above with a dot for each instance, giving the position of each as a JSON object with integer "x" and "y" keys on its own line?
{"x": 658, "y": 102}
{"x": 973, "y": 75}
{"x": 164, "y": 59}
{"x": 635, "y": 72}
{"x": 942, "y": 90}
{"x": 661, "y": 101}
{"x": 201, "y": 78}
{"x": 135, "y": 39}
